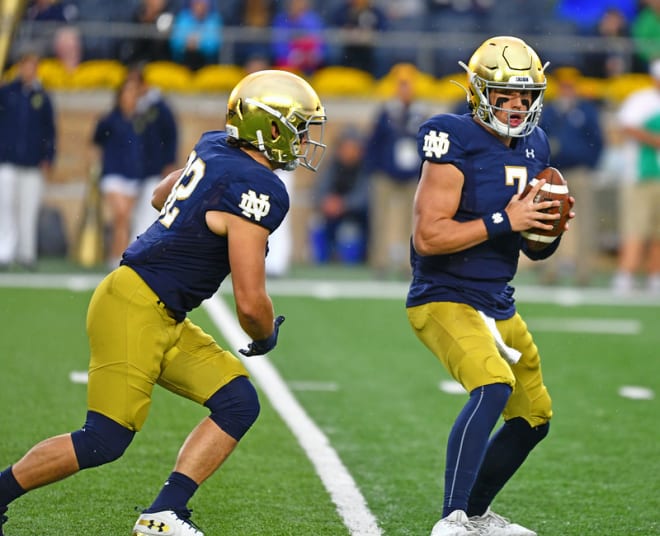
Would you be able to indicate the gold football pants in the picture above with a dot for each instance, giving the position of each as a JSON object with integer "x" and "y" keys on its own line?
{"x": 460, "y": 339}
{"x": 135, "y": 343}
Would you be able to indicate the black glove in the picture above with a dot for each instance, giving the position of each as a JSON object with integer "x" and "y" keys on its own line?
{"x": 263, "y": 346}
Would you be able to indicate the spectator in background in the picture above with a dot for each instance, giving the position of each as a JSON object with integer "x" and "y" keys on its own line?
{"x": 157, "y": 125}
{"x": 197, "y": 35}
{"x": 51, "y": 11}
{"x": 646, "y": 31}
{"x": 392, "y": 163}
{"x": 297, "y": 41}
{"x": 27, "y": 153}
{"x": 585, "y": 14}
{"x": 339, "y": 229}
{"x": 639, "y": 199}
{"x": 68, "y": 47}
{"x": 363, "y": 21}
{"x": 121, "y": 165}
{"x": 256, "y": 18}
{"x": 612, "y": 57}
{"x": 157, "y": 20}
{"x": 103, "y": 45}
{"x": 572, "y": 124}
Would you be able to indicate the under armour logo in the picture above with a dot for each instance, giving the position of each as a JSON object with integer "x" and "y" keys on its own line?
{"x": 152, "y": 524}
{"x": 159, "y": 526}
{"x": 253, "y": 206}
{"x": 529, "y": 153}
{"x": 435, "y": 144}
{"x": 497, "y": 217}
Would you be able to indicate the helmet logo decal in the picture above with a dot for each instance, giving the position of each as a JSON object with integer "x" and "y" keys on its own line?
{"x": 436, "y": 144}
{"x": 254, "y": 207}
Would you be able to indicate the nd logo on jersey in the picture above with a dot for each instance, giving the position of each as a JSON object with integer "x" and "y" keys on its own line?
{"x": 436, "y": 144}
{"x": 253, "y": 206}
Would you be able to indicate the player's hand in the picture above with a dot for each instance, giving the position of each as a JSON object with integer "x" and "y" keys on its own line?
{"x": 263, "y": 346}
{"x": 524, "y": 213}
{"x": 571, "y": 214}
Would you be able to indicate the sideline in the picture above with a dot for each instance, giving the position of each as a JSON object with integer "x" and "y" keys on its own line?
{"x": 329, "y": 289}
{"x": 343, "y": 490}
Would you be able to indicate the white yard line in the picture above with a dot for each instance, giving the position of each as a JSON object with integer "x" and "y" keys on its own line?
{"x": 395, "y": 290}
{"x": 611, "y": 326}
{"x": 343, "y": 490}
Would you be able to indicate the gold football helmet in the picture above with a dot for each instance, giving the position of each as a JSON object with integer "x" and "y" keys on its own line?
{"x": 505, "y": 63}
{"x": 278, "y": 113}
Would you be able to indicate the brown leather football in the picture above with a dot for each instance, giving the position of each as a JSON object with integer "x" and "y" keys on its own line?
{"x": 555, "y": 188}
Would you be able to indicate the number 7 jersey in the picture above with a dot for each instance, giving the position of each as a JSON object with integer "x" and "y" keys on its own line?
{"x": 492, "y": 173}
{"x": 178, "y": 256}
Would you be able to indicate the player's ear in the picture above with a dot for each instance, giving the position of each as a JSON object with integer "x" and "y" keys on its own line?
{"x": 274, "y": 130}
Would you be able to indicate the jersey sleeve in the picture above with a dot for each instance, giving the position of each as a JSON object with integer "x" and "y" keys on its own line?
{"x": 439, "y": 141}
{"x": 264, "y": 203}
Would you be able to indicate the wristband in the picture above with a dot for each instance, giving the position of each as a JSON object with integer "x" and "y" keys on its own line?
{"x": 497, "y": 224}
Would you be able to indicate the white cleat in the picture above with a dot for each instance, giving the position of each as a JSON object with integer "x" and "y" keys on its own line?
{"x": 492, "y": 524}
{"x": 166, "y": 523}
{"x": 455, "y": 524}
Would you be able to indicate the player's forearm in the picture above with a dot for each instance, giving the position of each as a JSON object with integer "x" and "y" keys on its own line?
{"x": 448, "y": 236}
{"x": 256, "y": 317}
{"x": 643, "y": 136}
{"x": 163, "y": 189}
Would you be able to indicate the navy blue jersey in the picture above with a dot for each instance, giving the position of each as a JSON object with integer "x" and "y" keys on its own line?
{"x": 27, "y": 125}
{"x": 493, "y": 173}
{"x": 120, "y": 144}
{"x": 178, "y": 256}
{"x": 159, "y": 136}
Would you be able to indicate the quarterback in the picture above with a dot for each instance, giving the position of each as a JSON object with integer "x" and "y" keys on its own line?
{"x": 465, "y": 249}
{"x": 216, "y": 215}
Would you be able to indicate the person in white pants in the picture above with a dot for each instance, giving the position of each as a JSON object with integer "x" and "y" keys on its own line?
{"x": 27, "y": 152}
{"x": 20, "y": 202}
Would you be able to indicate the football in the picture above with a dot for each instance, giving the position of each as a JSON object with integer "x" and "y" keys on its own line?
{"x": 554, "y": 189}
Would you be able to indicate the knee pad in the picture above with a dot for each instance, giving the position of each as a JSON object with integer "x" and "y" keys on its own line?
{"x": 101, "y": 440}
{"x": 235, "y": 407}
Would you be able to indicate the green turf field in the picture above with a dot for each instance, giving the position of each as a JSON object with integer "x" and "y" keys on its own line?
{"x": 374, "y": 392}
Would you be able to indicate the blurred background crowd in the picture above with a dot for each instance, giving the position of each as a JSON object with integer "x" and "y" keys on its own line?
{"x": 131, "y": 82}
{"x": 600, "y": 38}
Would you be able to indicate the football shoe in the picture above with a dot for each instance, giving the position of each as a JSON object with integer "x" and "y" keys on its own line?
{"x": 166, "y": 523}
{"x": 455, "y": 524}
{"x": 492, "y": 524}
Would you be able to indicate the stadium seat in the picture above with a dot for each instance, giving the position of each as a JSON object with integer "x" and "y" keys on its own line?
{"x": 424, "y": 82}
{"x": 336, "y": 80}
{"x": 168, "y": 76}
{"x": 619, "y": 87}
{"x": 98, "y": 74}
{"x": 448, "y": 90}
{"x": 592, "y": 87}
{"x": 53, "y": 75}
{"x": 214, "y": 78}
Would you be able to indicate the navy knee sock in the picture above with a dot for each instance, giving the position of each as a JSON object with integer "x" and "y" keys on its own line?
{"x": 175, "y": 494}
{"x": 506, "y": 452}
{"x": 10, "y": 489}
{"x": 468, "y": 441}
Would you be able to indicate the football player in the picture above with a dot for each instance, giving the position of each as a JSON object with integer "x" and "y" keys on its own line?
{"x": 215, "y": 218}
{"x": 465, "y": 248}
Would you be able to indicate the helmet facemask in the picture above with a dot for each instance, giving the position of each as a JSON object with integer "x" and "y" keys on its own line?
{"x": 505, "y": 64}
{"x": 486, "y": 111}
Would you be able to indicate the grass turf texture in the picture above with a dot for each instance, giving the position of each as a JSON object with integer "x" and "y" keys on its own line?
{"x": 596, "y": 473}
